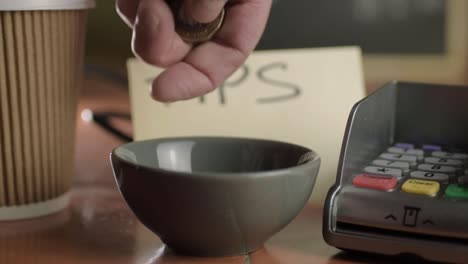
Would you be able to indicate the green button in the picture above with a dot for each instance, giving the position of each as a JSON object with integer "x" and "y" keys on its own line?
{"x": 457, "y": 191}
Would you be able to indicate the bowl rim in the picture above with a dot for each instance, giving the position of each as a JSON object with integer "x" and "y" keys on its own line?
{"x": 315, "y": 161}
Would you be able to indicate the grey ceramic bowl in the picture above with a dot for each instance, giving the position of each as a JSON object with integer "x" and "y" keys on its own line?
{"x": 214, "y": 196}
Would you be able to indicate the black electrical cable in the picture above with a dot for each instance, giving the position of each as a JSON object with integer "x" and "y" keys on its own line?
{"x": 103, "y": 120}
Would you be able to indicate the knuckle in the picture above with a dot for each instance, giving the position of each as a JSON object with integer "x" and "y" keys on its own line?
{"x": 152, "y": 55}
{"x": 160, "y": 60}
{"x": 238, "y": 58}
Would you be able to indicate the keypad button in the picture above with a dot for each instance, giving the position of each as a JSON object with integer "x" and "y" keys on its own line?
{"x": 443, "y": 161}
{"x": 456, "y": 191}
{"x": 404, "y": 145}
{"x": 437, "y": 168}
{"x": 377, "y": 182}
{"x": 434, "y": 176}
{"x": 431, "y": 148}
{"x": 422, "y": 187}
{"x": 414, "y": 152}
{"x": 399, "y": 157}
{"x": 402, "y": 165}
{"x": 384, "y": 171}
{"x": 449, "y": 155}
{"x": 396, "y": 150}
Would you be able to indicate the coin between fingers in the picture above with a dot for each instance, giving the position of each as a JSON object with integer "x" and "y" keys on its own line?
{"x": 191, "y": 31}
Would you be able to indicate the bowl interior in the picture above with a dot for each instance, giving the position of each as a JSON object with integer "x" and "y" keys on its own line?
{"x": 222, "y": 155}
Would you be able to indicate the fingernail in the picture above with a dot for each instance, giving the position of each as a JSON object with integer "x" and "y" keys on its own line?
{"x": 205, "y": 11}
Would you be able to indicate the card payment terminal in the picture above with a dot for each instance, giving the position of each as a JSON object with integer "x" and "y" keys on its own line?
{"x": 402, "y": 183}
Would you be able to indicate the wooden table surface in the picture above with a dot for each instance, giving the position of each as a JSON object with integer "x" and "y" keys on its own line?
{"x": 98, "y": 227}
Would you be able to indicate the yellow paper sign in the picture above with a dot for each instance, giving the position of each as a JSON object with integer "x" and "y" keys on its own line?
{"x": 301, "y": 96}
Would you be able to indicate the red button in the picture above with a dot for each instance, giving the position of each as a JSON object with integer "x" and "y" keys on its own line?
{"x": 377, "y": 182}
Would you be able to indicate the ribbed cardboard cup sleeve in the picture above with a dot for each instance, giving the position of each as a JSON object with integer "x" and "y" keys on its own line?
{"x": 40, "y": 74}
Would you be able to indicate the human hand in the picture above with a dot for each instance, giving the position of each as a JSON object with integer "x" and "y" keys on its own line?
{"x": 193, "y": 70}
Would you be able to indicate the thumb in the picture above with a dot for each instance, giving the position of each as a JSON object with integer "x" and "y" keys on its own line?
{"x": 204, "y": 11}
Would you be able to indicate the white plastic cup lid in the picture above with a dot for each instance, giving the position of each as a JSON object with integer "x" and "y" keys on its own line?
{"x": 24, "y": 5}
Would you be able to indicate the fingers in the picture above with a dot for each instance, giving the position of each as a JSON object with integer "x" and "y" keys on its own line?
{"x": 204, "y": 70}
{"x": 154, "y": 39}
{"x": 209, "y": 64}
{"x": 127, "y": 10}
{"x": 203, "y": 11}
{"x": 244, "y": 24}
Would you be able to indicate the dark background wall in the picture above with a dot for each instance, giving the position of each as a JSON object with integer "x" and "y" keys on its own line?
{"x": 378, "y": 26}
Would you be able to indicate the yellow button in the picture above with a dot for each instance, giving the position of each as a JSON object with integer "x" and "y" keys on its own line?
{"x": 422, "y": 187}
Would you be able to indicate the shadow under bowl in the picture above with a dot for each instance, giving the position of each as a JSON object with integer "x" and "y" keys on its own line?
{"x": 214, "y": 196}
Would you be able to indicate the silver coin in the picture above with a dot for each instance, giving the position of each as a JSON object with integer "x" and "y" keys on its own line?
{"x": 191, "y": 31}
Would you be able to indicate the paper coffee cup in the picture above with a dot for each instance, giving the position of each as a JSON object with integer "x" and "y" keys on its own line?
{"x": 30, "y": 5}
{"x": 41, "y": 58}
